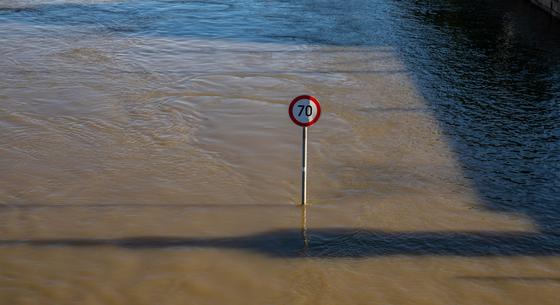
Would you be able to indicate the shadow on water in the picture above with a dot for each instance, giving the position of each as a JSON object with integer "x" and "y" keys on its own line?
{"x": 491, "y": 74}
{"x": 339, "y": 243}
{"x": 489, "y": 70}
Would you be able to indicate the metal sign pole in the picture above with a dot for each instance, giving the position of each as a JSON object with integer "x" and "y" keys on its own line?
{"x": 304, "y": 111}
{"x": 304, "y": 168}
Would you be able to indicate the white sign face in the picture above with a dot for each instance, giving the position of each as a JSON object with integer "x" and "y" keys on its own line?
{"x": 305, "y": 110}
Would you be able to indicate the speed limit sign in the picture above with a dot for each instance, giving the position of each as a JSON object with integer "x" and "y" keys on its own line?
{"x": 305, "y": 110}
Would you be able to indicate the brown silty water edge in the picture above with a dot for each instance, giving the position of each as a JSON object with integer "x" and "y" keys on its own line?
{"x": 163, "y": 169}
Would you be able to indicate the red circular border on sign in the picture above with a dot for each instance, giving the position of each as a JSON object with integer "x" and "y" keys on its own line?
{"x": 306, "y": 97}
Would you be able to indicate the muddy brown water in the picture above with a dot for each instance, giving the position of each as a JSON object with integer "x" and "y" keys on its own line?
{"x": 147, "y": 156}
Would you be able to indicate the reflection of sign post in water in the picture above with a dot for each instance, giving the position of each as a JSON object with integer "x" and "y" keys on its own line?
{"x": 304, "y": 111}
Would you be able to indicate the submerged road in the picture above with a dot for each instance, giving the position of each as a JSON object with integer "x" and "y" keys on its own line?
{"x": 147, "y": 157}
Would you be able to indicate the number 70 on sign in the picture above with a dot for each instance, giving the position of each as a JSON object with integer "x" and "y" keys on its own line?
{"x": 305, "y": 110}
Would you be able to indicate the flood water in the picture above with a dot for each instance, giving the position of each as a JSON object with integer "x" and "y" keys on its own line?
{"x": 147, "y": 156}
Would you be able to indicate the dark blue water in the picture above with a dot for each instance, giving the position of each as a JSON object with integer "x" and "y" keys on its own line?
{"x": 491, "y": 72}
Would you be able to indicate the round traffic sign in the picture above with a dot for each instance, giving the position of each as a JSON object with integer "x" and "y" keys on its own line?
{"x": 305, "y": 110}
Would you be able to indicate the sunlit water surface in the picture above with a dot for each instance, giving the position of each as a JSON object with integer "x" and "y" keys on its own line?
{"x": 147, "y": 157}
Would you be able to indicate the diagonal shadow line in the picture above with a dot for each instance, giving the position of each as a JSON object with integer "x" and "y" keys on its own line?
{"x": 338, "y": 243}
{"x": 487, "y": 114}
